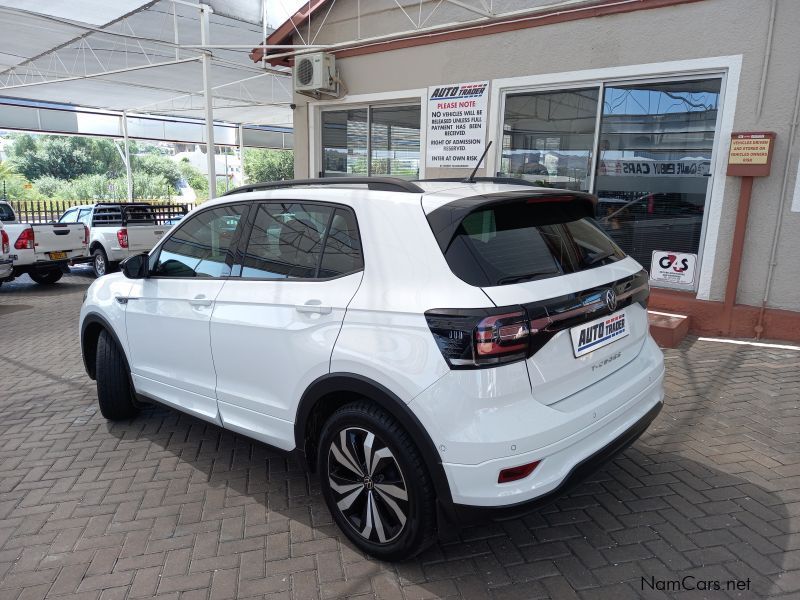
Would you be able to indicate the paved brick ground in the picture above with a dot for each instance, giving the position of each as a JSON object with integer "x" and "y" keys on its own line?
{"x": 171, "y": 507}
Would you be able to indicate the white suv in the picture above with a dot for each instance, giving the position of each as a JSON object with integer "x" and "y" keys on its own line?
{"x": 435, "y": 349}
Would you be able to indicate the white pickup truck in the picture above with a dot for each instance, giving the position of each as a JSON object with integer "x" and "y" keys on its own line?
{"x": 6, "y": 264}
{"x": 118, "y": 230}
{"x": 42, "y": 250}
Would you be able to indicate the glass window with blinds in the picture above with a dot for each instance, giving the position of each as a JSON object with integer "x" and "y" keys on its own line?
{"x": 371, "y": 141}
{"x": 643, "y": 148}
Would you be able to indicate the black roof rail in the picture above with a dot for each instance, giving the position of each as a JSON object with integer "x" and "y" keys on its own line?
{"x": 503, "y": 180}
{"x": 382, "y": 184}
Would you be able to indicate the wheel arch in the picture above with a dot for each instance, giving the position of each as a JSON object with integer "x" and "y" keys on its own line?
{"x": 329, "y": 392}
{"x": 94, "y": 324}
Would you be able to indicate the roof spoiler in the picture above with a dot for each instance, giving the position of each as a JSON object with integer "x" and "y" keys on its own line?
{"x": 556, "y": 206}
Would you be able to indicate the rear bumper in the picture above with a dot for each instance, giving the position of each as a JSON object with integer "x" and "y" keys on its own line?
{"x": 42, "y": 265}
{"x": 476, "y": 484}
{"x": 120, "y": 254}
{"x": 6, "y": 268}
{"x": 585, "y": 468}
{"x": 484, "y": 421}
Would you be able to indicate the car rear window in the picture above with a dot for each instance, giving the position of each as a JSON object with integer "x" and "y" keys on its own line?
{"x": 514, "y": 242}
{"x": 6, "y": 213}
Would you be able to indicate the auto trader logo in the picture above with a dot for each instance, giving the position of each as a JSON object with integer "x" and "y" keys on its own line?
{"x": 603, "y": 331}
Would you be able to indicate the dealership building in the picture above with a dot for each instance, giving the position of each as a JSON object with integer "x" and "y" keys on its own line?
{"x": 664, "y": 109}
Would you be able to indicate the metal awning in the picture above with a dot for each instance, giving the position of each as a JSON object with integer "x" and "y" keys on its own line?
{"x": 141, "y": 57}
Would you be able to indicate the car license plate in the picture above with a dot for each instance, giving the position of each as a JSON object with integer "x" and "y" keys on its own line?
{"x": 598, "y": 333}
{"x": 57, "y": 255}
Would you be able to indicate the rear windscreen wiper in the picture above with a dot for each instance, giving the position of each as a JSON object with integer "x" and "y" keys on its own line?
{"x": 526, "y": 277}
{"x": 602, "y": 256}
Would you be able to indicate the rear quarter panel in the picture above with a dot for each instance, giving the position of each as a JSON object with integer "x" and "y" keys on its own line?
{"x": 385, "y": 336}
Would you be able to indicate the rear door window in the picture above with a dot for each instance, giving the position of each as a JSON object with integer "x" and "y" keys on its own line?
{"x": 342, "y": 253}
{"x": 6, "y": 213}
{"x": 513, "y": 242}
{"x": 286, "y": 241}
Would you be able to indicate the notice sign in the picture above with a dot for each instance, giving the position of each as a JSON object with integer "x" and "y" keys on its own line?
{"x": 749, "y": 151}
{"x": 673, "y": 267}
{"x": 456, "y": 124}
{"x": 750, "y": 154}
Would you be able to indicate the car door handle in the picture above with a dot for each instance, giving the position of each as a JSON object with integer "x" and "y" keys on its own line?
{"x": 313, "y": 306}
{"x": 200, "y": 300}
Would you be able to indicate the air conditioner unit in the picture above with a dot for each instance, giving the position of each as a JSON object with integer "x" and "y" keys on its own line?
{"x": 315, "y": 73}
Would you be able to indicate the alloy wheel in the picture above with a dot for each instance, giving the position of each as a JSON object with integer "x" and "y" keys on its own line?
{"x": 99, "y": 265}
{"x": 368, "y": 485}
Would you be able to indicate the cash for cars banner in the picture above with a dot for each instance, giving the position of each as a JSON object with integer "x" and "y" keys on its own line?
{"x": 456, "y": 124}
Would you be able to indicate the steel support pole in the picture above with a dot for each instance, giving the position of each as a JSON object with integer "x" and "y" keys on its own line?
{"x": 208, "y": 93}
{"x": 128, "y": 173}
{"x": 241, "y": 152}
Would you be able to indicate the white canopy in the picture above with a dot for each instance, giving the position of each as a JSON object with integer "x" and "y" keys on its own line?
{"x": 141, "y": 57}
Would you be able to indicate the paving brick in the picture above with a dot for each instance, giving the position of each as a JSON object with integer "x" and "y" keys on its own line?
{"x": 170, "y": 507}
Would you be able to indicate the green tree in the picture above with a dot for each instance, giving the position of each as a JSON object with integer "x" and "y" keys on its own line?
{"x": 196, "y": 180}
{"x": 6, "y": 170}
{"x": 268, "y": 165}
{"x": 107, "y": 157}
{"x": 157, "y": 166}
{"x": 56, "y": 156}
{"x": 66, "y": 157}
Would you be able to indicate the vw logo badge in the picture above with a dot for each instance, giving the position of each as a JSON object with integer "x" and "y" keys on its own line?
{"x": 611, "y": 300}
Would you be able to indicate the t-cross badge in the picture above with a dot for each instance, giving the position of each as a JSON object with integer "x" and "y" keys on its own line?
{"x": 436, "y": 351}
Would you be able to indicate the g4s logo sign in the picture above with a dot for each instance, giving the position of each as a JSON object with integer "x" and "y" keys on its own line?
{"x": 670, "y": 261}
{"x": 673, "y": 267}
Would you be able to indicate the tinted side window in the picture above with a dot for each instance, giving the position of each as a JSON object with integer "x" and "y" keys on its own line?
{"x": 199, "y": 247}
{"x": 342, "y": 253}
{"x": 6, "y": 212}
{"x": 286, "y": 241}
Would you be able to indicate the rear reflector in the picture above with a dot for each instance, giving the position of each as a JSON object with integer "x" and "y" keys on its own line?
{"x": 517, "y": 473}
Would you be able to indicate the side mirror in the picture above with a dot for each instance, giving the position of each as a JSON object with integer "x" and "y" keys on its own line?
{"x": 135, "y": 267}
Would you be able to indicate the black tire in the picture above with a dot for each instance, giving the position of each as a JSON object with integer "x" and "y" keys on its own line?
{"x": 46, "y": 277}
{"x": 399, "y": 472}
{"x": 100, "y": 264}
{"x": 114, "y": 392}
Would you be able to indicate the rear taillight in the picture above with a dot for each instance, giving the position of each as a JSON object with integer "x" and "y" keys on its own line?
{"x": 502, "y": 337}
{"x": 480, "y": 338}
{"x": 85, "y": 235}
{"x": 25, "y": 240}
{"x": 4, "y": 241}
{"x": 122, "y": 237}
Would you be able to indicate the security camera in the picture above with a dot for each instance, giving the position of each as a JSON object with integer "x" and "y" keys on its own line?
{"x": 293, "y": 106}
